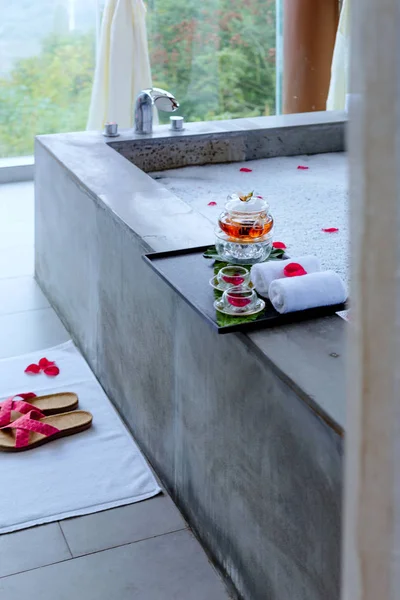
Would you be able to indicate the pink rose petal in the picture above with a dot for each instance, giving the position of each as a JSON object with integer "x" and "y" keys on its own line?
{"x": 330, "y": 229}
{"x": 245, "y": 170}
{"x": 212, "y": 204}
{"x": 302, "y": 168}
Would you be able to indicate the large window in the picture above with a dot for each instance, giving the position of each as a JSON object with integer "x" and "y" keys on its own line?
{"x": 216, "y": 56}
{"x": 47, "y": 54}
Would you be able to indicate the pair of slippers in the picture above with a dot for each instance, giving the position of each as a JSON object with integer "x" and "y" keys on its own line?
{"x": 26, "y": 425}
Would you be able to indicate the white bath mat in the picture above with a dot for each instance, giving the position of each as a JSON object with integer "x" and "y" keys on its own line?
{"x": 85, "y": 473}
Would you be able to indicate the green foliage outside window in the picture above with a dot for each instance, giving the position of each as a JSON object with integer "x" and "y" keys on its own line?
{"x": 46, "y": 93}
{"x": 216, "y": 56}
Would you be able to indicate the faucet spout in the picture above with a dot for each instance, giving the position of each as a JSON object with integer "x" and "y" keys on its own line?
{"x": 162, "y": 99}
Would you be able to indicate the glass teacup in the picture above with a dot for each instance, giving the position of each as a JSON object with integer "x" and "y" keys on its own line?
{"x": 231, "y": 276}
{"x": 239, "y": 299}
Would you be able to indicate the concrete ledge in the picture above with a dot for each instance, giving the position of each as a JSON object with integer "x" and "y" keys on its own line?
{"x": 234, "y": 141}
{"x": 16, "y": 169}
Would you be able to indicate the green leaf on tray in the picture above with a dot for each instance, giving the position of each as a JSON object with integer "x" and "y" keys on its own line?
{"x": 276, "y": 254}
{"x": 218, "y": 265}
{"x": 211, "y": 253}
{"x": 224, "y": 320}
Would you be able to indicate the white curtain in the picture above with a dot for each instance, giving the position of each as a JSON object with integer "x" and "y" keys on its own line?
{"x": 122, "y": 65}
{"x": 339, "y": 85}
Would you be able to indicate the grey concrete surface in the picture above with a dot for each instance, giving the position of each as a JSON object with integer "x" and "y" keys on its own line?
{"x": 120, "y": 526}
{"x": 32, "y": 548}
{"x": 16, "y": 169}
{"x": 152, "y": 213}
{"x": 25, "y": 555}
{"x": 311, "y": 358}
{"x": 251, "y": 457}
{"x": 257, "y": 471}
{"x": 168, "y": 567}
{"x": 234, "y": 140}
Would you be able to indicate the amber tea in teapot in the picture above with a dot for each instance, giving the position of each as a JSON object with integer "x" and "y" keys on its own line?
{"x": 246, "y": 217}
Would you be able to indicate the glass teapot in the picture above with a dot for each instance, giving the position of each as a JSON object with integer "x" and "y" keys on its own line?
{"x": 246, "y": 217}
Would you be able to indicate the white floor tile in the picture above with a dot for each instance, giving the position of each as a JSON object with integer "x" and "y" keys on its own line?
{"x": 20, "y": 294}
{"x": 29, "y": 331}
{"x": 16, "y": 261}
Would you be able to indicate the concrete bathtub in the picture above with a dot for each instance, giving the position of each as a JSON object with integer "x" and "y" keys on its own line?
{"x": 245, "y": 431}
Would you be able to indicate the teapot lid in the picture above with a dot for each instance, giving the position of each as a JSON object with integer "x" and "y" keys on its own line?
{"x": 246, "y": 203}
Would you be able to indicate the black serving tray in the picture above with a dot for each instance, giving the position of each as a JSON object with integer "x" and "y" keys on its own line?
{"x": 189, "y": 273}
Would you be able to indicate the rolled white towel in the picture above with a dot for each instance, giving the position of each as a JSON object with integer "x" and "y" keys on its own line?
{"x": 262, "y": 274}
{"x": 307, "y": 291}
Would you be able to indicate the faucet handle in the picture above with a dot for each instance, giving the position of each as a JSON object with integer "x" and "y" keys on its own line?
{"x": 164, "y": 100}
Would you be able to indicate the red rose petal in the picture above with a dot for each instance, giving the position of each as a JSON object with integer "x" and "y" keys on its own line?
{"x": 52, "y": 371}
{"x": 212, "y": 204}
{"x": 261, "y": 197}
{"x": 27, "y": 396}
{"x": 245, "y": 170}
{"x": 43, "y": 363}
{"x": 330, "y": 229}
{"x": 279, "y": 245}
{"x": 302, "y": 168}
{"x": 32, "y": 369}
{"x": 294, "y": 270}
{"x": 239, "y": 302}
{"x": 234, "y": 279}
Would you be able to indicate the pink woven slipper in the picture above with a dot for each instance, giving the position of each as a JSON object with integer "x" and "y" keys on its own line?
{"x": 50, "y": 404}
{"x": 33, "y": 430}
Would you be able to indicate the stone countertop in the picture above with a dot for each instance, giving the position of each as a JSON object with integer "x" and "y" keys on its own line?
{"x": 166, "y": 215}
{"x": 302, "y": 202}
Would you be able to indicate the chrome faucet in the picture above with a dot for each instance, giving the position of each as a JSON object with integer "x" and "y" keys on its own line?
{"x": 162, "y": 99}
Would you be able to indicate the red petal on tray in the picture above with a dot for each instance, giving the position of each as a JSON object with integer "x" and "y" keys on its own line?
{"x": 32, "y": 369}
{"x": 302, "y": 168}
{"x": 27, "y": 396}
{"x": 212, "y": 204}
{"x": 279, "y": 245}
{"x": 294, "y": 270}
{"x": 330, "y": 229}
{"x": 44, "y": 362}
{"x": 239, "y": 302}
{"x": 52, "y": 371}
{"x": 245, "y": 170}
{"x": 233, "y": 279}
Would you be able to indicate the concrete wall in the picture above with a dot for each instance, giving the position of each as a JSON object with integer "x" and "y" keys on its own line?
{"x": 253, "y": 468}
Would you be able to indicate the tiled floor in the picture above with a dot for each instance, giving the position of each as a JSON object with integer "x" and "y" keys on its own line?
{"x": 143, "y": 551}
